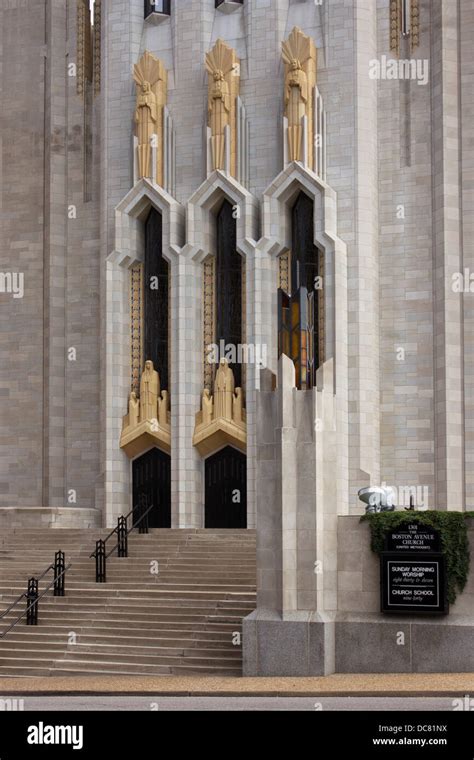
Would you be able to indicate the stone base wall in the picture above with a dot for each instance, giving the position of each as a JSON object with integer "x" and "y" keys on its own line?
{"x": 302, "y": 645}
{"x": 48, "y": 517}
{"x": 428, "y": 645}
{"x": 359, "y": 638}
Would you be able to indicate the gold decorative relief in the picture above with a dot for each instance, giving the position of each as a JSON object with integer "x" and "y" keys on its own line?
{"x": 404, "y": 22}
{"x": 151, "y": 79}
{"x": 222, "y": 419}
{"x": 209, "y": 317}
{"x": 415, "y": 24}
{"x": 223, "y": 67}
{"x": 84, "y": 46}
{"x": 136, "y": 325}
{"x": 321, "y": 315}
{"x": 148, "y": 420}
{"x": 299, "y": 56}
{"x": 395, "y": 13}
{"x": 284, "y": 273}
{"x": 97, "y": 45}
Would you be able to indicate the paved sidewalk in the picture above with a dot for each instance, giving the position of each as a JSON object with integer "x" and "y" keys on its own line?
{"x": 409, "y": 684}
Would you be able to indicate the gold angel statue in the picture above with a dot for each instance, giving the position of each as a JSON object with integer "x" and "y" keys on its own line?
{"x": 299, "y": 55}
{"x": 221, "y": 65}
{"x": 150, "y": 77}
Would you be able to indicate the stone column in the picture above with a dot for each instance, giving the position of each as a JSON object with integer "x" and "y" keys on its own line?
{"x": 447, "y": 250}
{"x": 466, "y": 73}
{"x": 363, "y": 346}
{"x": 187, "y": 488}
{"x": 55, "y": 242}
{"x": 261, "y": 271}
{"x": 290, "y": 632}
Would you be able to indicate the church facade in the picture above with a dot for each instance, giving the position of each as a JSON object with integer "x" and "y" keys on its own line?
{"x": 236, "y": 275}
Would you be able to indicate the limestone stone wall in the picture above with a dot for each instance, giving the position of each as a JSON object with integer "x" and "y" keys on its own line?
{"x": 18, "y": 518}
{"x": 406, "y": 271}
{"x": 466, "y": 123}
{"x": 399, "y": 178}
{"x": 49, "y": 417}
{"x": 358, "y": 573}
{"x": 366, "y": 641}
{"x": 22, "y": 109}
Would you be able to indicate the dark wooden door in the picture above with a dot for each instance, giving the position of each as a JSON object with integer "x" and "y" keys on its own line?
{"x": 152, "y": 480}
{"x": 226, "y": 489}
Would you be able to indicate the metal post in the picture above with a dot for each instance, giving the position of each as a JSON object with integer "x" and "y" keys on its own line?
{"x": 143, "y": 507}
{"x": 122, "y": 544}
{"x": 146, "y": 523}
{"x": 32, "y": 602}
{"x": 100, "y": 561}
{"x": 59, "y": 573}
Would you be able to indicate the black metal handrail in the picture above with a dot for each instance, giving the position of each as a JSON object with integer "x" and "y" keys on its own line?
{"x": 122, "y": 521}
{"x": 100, "y": 555}
{"x": 112, "y": 532}
{"x": 12, "y": 605}
{"x": 116, "y": 530}
{"x": 32, "y": 596}
{"x": 58, "y": 563}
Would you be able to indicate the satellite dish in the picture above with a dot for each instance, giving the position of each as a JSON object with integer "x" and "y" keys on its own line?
{"x": 377, "y": 499}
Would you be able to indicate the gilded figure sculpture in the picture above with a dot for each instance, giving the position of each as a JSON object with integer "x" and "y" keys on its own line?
{"x": 148, "y": 419}
{"x": 149, "y": 392}
{"x": 299, "y": 56}
{"x": 133, "y": 409}
{"x": 222, "y": 66}
{"x": 222, "y": 417}
{"x": 151, "y": 80}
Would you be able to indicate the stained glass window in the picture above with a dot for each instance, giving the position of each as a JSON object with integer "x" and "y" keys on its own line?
{"x": 300, "y": 312}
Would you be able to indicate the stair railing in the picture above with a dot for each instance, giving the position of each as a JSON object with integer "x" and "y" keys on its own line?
{"x": 122, "y": 531}
{"x": 33, "y": 596}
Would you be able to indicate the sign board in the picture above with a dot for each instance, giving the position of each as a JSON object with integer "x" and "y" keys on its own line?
{"x": 413, "y": 537}
{"x": 414, "y": 582}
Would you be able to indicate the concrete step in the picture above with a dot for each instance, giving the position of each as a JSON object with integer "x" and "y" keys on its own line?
{"x": 136, "y": 643}
{"x": 137, "y": 607}
{"x": 154, "y": 622}
{"x": 129, "y": 664}
{"x": 182, "y": 620}
{"x": 117, "y": 653}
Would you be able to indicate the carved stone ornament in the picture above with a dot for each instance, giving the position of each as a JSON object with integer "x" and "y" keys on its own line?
{"x": 151, "y": 79}
{"x": 223, "y": 68}
{"x": 299, "y": 56}
{"x": 413, "y": 26}
{"x": 148, "y": 420}
{"x": 222, "y": 419}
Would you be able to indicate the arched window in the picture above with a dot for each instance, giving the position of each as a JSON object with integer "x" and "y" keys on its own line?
{"x": 156, "y": 300}
{"x": 228, "y": 285}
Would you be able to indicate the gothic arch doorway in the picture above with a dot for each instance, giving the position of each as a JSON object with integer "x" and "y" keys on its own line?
{"x": 226, "y": 489}
{"x": 152, "y": 479}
